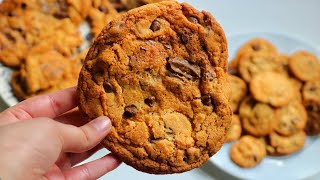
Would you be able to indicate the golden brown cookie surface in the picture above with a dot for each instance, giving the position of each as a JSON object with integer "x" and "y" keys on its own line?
{"x": 254, "y": 46}
{"x": 160, "y": 78}
{"x": 291, "y": 119}
{"x": 305, "y": 66}
{"x": 272, "y": 88}
{"x": 252, "y": 64}
{"x": 258, "y": 119}
{"x": 248, "y": 151}
{"x": 283, "y": 145}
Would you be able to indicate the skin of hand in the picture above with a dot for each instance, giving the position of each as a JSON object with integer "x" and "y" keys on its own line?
{"x": 41, "y": 139}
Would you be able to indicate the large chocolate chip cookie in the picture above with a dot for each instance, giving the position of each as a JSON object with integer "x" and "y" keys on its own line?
{"x": 159, "y": 73}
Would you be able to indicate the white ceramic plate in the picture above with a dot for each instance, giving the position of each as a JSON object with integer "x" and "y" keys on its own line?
{"x": 301, "y": 165}
{"x": 6, "y": 93}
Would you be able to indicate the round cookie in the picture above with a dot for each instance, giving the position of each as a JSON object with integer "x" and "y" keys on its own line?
{"x": 313, "y": 122}
{"x": 283, "y": 145}
{"x": 311, "y": 91}
{"x": 252, "y": 64}
{"x": 162, "y": 80}
{"x": 254, "y": 46}
{"x": 238, "y": 91}
{"x": 305, "y": 66}
{"x": 272, "y": 88}
{"x": 258, "y": 119}
{"x": 291, "y": 119}
{"x": 248, "y": 151}
{"x": 235, "y": 130}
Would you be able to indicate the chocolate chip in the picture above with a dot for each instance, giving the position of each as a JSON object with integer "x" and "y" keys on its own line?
{"x": 18, "y": 29}
{"x": 206, "y": 100}
{"x": 184, "y": 68}
{"x": 10, "y": 14}
{"x": 313, "y": 88}
{"x": 24, "y": 6}
{"x": 103, "y": 9}
{"x": 130, "y": 111}
{"x": 10, "y": 37}
{"x": 150, "y": 101}
{"x": 193, "y": 19}
{"x": 256, "y": 47}
{"x": 155, "y": 26}
{"x": 184, "y": 38}
{"x": 60, "y": 14}
{"x": 108, "y": 88}
{"x": 185, "y": 159}
{"x": 89, "y": 36}
{"x": 255, "y": 159}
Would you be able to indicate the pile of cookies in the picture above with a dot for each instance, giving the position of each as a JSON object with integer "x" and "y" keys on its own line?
{"x": 41, "y": 42}
{"x": 275, "y": 100}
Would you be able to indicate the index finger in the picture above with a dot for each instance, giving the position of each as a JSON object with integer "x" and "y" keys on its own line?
{"x": 48, "y": 105}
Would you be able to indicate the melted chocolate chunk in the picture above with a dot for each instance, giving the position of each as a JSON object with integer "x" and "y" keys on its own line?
{"x": 184, "y": 68}
{"x": 130, "y": 111}
{"x": 150, "y": 101}
{"x": 108, "y": 88}
{"x": 155, "y": 26}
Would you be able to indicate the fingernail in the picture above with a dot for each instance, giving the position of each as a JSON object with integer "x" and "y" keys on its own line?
{"x": 101, "y": 123}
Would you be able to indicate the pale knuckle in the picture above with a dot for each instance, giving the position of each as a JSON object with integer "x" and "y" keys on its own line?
{"x": 87, "y": 139}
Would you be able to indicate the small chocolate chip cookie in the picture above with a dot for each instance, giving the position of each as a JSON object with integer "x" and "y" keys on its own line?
{"x": 252, "y": 64}
{"x": 283, "y": 145}
{"x": 160, "y": 73}
{"x": 248, "y": 151}
{"x": 305, "y": 66}
{"x": 257, "y": 118}
{"x": 254, "y": 46}
{"x": 290, "y": 119}
{"x": 273, "y": 88}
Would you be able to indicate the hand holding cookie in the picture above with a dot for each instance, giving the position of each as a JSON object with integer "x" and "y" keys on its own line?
{"x": 40, "y": 139}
